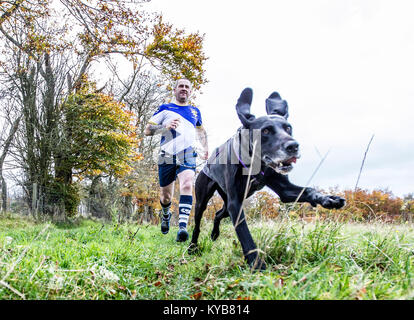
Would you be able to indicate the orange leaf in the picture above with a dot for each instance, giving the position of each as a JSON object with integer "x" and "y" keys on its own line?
{"x": 294, "y": 283}
{"x": 279, "y": 282}
{"x": 232, "y": 285}
{"x": 197, "y": 296}
{"x": 361, "y": 293}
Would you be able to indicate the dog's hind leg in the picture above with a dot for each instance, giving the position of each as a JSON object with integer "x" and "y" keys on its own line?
{"x": 204, "y": 190}
{"x": 220, "y": 215}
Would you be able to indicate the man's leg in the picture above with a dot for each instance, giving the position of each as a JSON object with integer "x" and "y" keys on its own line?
{"x": 186, "y": 178}
{"x": 166, "y": 194}
{"x": 166, "y": 174}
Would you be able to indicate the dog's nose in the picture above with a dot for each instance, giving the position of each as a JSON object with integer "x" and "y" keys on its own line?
{"x": 291, "y": 147}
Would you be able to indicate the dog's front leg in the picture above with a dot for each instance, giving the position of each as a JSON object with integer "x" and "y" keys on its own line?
{"x": 250, "y": 252}
{"x": 288, "y": 192}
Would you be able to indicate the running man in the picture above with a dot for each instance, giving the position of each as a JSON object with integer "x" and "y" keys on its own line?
{"x": 179, "y": 125}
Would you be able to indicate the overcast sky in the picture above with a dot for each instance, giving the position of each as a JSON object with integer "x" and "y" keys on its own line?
{"x": 345, "y": 68}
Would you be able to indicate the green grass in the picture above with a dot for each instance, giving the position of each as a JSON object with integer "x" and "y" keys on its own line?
{"x": 89, "y": 260}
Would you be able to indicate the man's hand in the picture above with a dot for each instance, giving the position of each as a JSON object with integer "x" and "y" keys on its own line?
{"x": 204, "y": 155}
{"x": 173, "y": 124}
{"x": 202, "y": 137}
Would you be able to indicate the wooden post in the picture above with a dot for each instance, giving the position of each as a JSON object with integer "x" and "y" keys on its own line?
{"x": 34, "y": 200}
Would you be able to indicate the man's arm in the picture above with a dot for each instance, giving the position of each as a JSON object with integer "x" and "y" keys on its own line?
{"x": 202, "y": 137}
{"x": 152, "y": 128}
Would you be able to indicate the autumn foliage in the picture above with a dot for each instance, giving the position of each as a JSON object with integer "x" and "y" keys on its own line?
{"x": 50, "y": 54}
{"x": 181, "y": 54}
{"x": 100, "y": 137}
{"x": 361, "y": 205}
{"x": 365, "y": 205}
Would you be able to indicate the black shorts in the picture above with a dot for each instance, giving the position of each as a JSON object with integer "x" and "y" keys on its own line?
{"x": 170, "y": 166}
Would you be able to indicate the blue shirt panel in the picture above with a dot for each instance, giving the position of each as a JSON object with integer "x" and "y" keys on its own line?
{"x": 190, "y": 113}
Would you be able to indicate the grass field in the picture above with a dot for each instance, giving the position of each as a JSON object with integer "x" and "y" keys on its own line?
{"x": 91, "y": 260}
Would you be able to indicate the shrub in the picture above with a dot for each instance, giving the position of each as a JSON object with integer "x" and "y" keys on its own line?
{"x": 361, "y": 205}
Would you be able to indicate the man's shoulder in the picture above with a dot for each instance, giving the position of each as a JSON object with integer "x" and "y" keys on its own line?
{"x": 195, "y": 108}
{"x": 179, "y": 108}
{"x": 176, "y": 106}
{"x": 166, "y": 107}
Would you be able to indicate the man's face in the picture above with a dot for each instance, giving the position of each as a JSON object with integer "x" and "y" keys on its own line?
{"x": 182, "y": 91}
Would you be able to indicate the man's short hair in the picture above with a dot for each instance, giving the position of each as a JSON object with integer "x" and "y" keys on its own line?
{"x": 176, "y": 82}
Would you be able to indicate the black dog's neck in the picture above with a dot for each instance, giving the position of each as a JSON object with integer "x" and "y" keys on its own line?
{"x": 242, "y": 150}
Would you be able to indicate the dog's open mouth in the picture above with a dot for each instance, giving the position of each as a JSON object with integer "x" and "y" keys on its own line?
{"x": 283, "y": 167}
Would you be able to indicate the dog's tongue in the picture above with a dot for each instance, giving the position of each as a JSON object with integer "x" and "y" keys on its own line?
{"x": 291, "y": 160}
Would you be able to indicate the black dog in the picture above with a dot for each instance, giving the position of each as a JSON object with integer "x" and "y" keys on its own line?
{"x": 271, "y": 151}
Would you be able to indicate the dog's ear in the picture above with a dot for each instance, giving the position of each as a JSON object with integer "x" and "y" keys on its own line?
{"x": 243, "y": 107}
{"x": 275, "y": 105}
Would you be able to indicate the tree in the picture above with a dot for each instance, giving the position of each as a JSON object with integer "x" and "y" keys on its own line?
{"x": 94, "y": 29}
{"x": 3, "y": 155}
{"x": 141, "y": 93}
{"x": 10, "y": 119}
{"x": 49, "y": 47}
{"x": 97, "y": 137}
{"x": 180, "y": 54}
{"x": 9, "y": 9}
{"x": 141, "y": 185}
{"x": 4, "y": 151}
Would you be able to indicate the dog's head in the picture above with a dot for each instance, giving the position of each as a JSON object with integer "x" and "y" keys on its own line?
{"x": 278, "y": 149}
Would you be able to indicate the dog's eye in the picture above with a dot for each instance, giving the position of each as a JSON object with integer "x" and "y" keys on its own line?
{"x": 288, "y": 129}
{"x": 266, "y": 131}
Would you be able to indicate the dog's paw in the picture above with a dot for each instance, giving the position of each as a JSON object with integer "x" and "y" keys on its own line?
{"x": 257, "y": 265}
{"x": 333, "y": 202}
{"x": 215, "y": 234}
{"x": 255, "y": 262}
{"x": 193, "y": 249}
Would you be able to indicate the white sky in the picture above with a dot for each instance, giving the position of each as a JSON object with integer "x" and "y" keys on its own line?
{"x": 345, "y": 68}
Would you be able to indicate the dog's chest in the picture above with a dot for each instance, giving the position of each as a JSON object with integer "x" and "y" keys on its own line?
{"x": 256, "y": 184}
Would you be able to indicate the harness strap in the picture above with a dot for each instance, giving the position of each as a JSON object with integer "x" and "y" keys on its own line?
{"x": 246, "y": 167}
{"x": 237, "y": 149}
